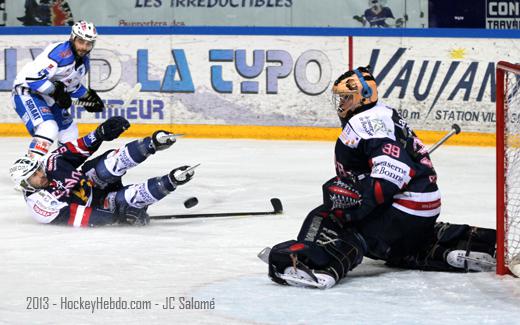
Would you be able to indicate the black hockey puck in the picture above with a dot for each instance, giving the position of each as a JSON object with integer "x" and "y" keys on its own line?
{"x": 191, "y": 202}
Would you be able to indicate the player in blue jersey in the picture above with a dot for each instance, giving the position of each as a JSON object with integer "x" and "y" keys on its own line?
{"x": 44, "y": 88}
{"x": 66, "y": 187}
{"x": 383, "y": 202}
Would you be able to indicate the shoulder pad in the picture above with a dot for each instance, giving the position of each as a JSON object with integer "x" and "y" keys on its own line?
{"x": 62, "y": 53}
{"x": 375, "y": 122}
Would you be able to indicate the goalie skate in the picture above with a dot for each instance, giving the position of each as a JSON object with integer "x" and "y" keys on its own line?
{"x": 475, "y": 261}
{"x": 306, "y": 278}
{"x": 264, "y": 255}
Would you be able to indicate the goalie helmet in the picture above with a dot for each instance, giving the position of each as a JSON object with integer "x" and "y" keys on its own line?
{"x": 354, "y": 89}
{"x": 84, "y": 30}
{"x": 21, "y": 170}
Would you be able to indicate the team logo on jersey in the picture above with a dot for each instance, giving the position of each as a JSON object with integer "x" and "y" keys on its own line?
{"x": 349, "y": 137}
{"x": 380, "y": 127}
{"x": 84, "y": 187}
{"x": 42, "y": 212}
{"x": 66, "y": 53}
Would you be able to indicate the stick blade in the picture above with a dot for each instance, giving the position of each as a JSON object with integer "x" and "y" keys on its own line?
{"x": 277, "y": 205}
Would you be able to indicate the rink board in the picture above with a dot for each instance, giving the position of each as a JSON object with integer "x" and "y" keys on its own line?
{"x": 275, "y": 83}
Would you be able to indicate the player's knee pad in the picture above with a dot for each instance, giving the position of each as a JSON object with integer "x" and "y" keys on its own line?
{"x": 48, "y": 129}
{"x": 69, "y": 134}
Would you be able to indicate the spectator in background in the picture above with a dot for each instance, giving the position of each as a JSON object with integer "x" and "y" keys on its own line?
{"x": 47, "y": 13}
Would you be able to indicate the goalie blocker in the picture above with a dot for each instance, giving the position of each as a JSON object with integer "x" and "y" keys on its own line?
{"x": 328, "y": 246}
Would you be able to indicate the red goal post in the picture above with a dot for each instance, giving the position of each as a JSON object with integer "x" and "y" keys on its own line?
{"x": 508, "y": 164}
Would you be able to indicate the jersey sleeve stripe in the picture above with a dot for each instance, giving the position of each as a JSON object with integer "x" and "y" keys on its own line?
{"x": 73, "y": 210}
{"x": 79, "y": 215}
{"x": 86, "y": 217}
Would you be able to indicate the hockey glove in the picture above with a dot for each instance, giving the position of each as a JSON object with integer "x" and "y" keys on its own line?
{"x": 111, "y": 128}
{"x": 341, "y": 193}
{"x": 61, "y": 96}
{"x": 179, "y": 177}
{"x": 92, "y": 102}
{"x": 128, "y": 215}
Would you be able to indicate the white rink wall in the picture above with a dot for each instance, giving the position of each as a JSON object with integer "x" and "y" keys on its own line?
{"x": 283, "y": 79}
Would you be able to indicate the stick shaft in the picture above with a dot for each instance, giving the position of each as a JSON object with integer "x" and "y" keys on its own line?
{"x": 212, "y": 215}
{"x": 455, "y": 129}
{"x": 275, "y": 202}
{"x": 441, "y": 141}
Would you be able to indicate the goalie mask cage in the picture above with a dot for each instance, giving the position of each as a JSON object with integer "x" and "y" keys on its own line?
{"x": 508, "y": 164}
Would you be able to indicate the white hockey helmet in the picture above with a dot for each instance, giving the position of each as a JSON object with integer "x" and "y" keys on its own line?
{"x": 21, "y": 170}
{"x": 84, "y": 30}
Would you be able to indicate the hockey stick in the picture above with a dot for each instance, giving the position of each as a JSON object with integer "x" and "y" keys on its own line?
{"x": 127, "y": 99}
{"x": 455, "y": 129}
{"x": 275, "y": 202}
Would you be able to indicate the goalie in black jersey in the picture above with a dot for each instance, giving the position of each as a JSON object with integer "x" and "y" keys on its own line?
{"x": 383, "y": 203}
{"x": 66, "y": 187}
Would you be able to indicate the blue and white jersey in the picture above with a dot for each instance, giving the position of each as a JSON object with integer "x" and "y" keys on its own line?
{"x": 56, "y": 63}
{"x": 378, "y": 143}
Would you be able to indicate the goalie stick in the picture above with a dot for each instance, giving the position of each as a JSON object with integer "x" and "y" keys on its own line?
{"x": 275, "y": 202}
{"x": 455, "y": 129}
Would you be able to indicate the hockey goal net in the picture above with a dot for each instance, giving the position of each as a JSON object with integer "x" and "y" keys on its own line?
{"x": 508, "y": 166}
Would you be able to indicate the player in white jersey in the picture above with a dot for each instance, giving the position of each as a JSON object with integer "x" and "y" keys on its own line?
{"x": 72, "y": 187}
{"x": 44, "y": 88}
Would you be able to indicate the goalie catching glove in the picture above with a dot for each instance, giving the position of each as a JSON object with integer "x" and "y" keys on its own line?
{"x": 92, "y": 102}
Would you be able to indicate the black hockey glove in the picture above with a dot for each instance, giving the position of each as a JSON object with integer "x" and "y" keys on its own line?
{"x": 177, "y": 177}
{"x": 92, "y": 102}
{"x": 128, "y": 215}
{"x": 61, "y": 96}
{"x": 111, "y": 128}
{"x": 341, "y": 193}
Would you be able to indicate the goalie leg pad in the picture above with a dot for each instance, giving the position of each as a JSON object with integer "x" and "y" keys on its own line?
{"x": 455, "y": 248}
{"x": 322, "y": 247}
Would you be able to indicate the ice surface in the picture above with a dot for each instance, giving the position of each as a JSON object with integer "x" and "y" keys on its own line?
{"x": 216, "y": 259}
